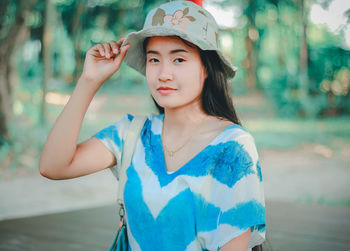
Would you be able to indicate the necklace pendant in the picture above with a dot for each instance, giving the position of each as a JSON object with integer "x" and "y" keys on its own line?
{"x": 171, "y": 153}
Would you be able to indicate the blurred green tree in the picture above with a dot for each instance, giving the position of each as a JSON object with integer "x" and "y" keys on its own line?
{"x": 301, "y": 68}
{"x": 13, "y": 32}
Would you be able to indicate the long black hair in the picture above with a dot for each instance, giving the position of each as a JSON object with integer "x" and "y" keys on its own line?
{"x": 216, "y": 95}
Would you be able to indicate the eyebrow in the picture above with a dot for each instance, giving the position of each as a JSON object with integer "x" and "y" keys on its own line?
{"x": 171, "y": 52}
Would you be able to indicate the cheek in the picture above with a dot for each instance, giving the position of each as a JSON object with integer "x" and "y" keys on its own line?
{"x": 149, "y": 76}
{"x": 200, "y": 77}
{"x": 203, "y": 73}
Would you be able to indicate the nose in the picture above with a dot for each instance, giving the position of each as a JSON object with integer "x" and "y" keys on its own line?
{"x": 165, "y": 73}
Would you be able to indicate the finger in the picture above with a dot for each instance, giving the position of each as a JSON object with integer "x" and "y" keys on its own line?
{"x": 120, "y": 41}
{"x": 115, "y": 47}
{"x": 118, "y": 60}
{"x": 108, "y": 50}
{"x": 100, "y": 49}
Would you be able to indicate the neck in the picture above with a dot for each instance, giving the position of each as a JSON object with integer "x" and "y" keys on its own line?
{"x": 183, "y": 118}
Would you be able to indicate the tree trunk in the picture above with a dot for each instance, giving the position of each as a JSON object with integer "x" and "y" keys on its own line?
{"x": 13, "y": 37}
{"x": 49, "y": 19}
{"x": 5, "y": 104}
{"x": 304, "y": 56}
{"x": 250, "y": 63}
{"x": 76, "y": 36}
{"x": 303, "y": 62}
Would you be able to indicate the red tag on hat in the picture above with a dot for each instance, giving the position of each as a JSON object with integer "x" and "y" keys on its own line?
{"x": 199, "y": 2}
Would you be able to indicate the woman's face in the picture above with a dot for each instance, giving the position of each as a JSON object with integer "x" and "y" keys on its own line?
{"x": 174, "y": 72}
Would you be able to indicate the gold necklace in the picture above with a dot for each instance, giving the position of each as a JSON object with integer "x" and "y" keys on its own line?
{"x": 171, "y": 153}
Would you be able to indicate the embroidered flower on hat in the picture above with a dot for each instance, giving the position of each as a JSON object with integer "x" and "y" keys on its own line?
{"x": 178, "y": 20}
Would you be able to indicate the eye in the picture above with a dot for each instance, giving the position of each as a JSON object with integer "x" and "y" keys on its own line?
{"x": 153, "y": 60}
{"x": 179, "y": 60}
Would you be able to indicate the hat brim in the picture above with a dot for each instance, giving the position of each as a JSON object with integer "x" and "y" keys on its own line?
{"x": 136, "y": 59}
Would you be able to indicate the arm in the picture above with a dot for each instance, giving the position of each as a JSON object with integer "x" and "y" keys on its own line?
{"x": 240, "y": 243}
{"x": 61, "y": 157}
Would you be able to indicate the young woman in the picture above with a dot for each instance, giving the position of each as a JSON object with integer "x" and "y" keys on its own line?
{"x": 195, "y": 181}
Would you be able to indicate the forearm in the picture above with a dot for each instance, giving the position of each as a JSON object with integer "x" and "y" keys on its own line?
{"x": 61, "y": 143}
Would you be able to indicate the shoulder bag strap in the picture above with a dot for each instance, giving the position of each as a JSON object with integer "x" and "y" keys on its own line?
{"x": 129, "y": 148}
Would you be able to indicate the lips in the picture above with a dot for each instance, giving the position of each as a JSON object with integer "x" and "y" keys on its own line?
{"x": 165, "y": 90}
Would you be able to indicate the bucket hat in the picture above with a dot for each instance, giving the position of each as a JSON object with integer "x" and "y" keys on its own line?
{"x": 177, "y": 18}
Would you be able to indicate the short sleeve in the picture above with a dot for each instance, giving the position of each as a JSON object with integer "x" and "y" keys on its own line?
{"x": 113, "y": 136}
{"x": 236, "y": 196}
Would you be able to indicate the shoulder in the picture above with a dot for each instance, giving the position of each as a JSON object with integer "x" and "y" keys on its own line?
{"x": 116, "y": 130}
{"x": 226, "y": 133}
{"x": 155, "y": 118}
{"x": 154, "y": 122}
{"x": 127, "y": 119}
{"x": 238, "y": 141}
{"x": 234, "y": 132}
{"x": 124, "y": 120}
{"x": 235, "y": 155}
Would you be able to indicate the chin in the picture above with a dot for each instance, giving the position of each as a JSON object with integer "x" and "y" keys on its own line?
{"x": 168, "y": 105}
{"x": 171, "y": 102}
{"x": 165, "y": 102}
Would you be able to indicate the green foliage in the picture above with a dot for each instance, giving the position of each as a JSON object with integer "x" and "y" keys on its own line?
{"x": 323, "y": 91}
{"x": 63, "y": 53}
{"x": 294, "y": 93}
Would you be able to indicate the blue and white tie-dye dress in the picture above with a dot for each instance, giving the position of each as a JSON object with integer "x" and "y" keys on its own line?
{"x": 213, "y": 198}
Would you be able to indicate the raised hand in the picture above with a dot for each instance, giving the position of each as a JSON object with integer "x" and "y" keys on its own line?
{"x": 103, "y": 60}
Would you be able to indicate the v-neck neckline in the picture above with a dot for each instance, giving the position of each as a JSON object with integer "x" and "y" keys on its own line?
{"x": 184, "y": 166}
